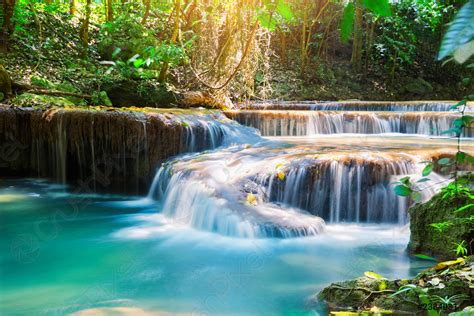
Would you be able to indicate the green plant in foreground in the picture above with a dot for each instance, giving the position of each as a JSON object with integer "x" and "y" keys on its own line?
{"x": 422, "y": 295}
{"x": 458, "y": 43}
{"x": 461, "y": 249}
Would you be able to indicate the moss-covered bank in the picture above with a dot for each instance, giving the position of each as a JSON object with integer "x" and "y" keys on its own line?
{"x": 372, "y": 293}
{"x": 441, "y": 242}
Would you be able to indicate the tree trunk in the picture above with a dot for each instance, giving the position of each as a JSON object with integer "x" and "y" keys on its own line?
{"x": 73, "y": 7}
{"x": 303, "y": 41}
{"x": 109, "y": 10}
{"x": 283, "y": 49}
{"x": 147, "y": 11}
{"x": 84, "y": 30}
{"x": 174, "y": 37}
{"x": 7, "y": 25}
{"x": 357, "y": 44}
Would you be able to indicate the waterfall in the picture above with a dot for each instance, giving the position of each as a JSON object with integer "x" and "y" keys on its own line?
{"x": 113, "y": 150}
{"x": 201, "y": 203}
{"x": 303, "y": 123}
{"x": 422, "y": 106}
{"x": 293, "y": 192}
{"x": 347, "y": 188}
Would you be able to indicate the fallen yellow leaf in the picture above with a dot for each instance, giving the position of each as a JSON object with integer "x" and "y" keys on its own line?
{"x": 373, "y": 275}
{"x": 281, "y": 175}
{"x": 445, "y": 264}
{"x": 251, "y": 199}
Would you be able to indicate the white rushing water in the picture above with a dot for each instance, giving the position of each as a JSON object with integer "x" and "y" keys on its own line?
{"x": 302, "y": 123}
{"x": 289, "y": 187}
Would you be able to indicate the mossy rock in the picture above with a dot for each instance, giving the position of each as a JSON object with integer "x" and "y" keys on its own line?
{"x": 425, "y": 239}
{"x": 29, "y": 99}
{"x": 365, "y": 293}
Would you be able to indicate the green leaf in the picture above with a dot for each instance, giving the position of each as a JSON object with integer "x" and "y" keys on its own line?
{"x": 116, "y": 52}
{"x": 465, "y": 207}
{"x": 463, "y": 53}
{"x": 284, "y": 10}
{"x": 460, "y": 103}
{"x": 423, "y": 180}
{"x": 138, "y": 62}
{"x": 378, "y": 7}
{"x": 427, "y": 170}
{"x": 460, "y": 31}
{"x": 403, "y": 190}
{"x": 467, "y": 120}
{"x": 405, "y": 181}
{"x": 267, "y": 21}
{"x": 444, "y": 161}
{"x": 458, "y": 122}
{"x": 454, "y": 130}
{"x": 424, "y": 257}
{"x": 347, "y": 22}
{"x": 460, "y": 156}
{"x": 416, "y": 196}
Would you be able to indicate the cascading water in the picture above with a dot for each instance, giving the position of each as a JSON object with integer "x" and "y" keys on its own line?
{"x": 432, "y": 106}
{"x": 302, "y": 123}
{"x": 291, "y": 185}
{"x": 288, "y": 186}
{"x": 347, "y": 188}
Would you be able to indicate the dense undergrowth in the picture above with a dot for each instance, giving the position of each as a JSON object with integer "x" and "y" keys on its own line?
{"x": 297, "y": 55}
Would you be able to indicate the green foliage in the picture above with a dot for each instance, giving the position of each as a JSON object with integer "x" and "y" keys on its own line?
{"x": 378, "y": 7}
{"x": 461, "y": 249}
{"x": 273, "y": 14}
{"x": 458, "y": 40}
{"x": 127, "y": 34}
{"x": 347, "y": 22}
{"x": 145, "y": 65}
{"x": 454, "y": 189}
{"x": 442, "y": 226}
{"x": 422, "y": 295}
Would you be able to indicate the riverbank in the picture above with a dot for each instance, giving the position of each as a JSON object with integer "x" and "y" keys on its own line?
{"x": 445, "y": 288}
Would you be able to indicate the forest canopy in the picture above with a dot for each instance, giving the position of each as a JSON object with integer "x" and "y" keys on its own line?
{"x": 327, "y": 49}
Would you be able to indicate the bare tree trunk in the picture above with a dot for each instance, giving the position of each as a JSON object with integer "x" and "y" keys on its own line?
{"x": 109, "y": 11}
{"x": 84, "y": 30}
{"x": 174, "y": 37}
{"x": 370, "y": 39}
{"x": 147, "y": 11}
{"x": 283, "y": 49}
{"x": 303, "y": 40}
{"x": 7, "y": 25}
{"x": 357, "y": 44}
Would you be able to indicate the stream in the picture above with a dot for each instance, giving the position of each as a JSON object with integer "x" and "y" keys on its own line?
{"x": 256, "y": 225}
